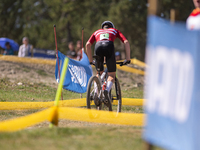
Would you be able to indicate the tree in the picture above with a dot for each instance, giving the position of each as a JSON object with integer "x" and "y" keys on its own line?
{"x": 130, "y": 19}
{"x": 10, "y": 19}
{"x": 35, "y": 19}
{"x": 182, "y": 7}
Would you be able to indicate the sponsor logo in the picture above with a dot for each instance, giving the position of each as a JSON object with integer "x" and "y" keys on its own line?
{"x": 170, "y": 79}
{"x": 78, "y": 75}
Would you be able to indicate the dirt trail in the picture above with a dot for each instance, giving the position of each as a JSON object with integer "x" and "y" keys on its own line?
{"x": 40, "y": 73}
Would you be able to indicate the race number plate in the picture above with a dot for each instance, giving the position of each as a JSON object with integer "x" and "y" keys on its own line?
{"x": 104, "y": 36}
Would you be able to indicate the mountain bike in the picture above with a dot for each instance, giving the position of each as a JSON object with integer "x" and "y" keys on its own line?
{"x": 95, "y": 95}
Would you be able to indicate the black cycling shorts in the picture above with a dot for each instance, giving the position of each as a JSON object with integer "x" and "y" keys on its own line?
{"x": 106, "y": 48}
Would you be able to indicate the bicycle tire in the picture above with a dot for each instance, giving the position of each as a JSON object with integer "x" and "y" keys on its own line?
{"x": 91, "y": 92}
{"x": 117, "y": 96}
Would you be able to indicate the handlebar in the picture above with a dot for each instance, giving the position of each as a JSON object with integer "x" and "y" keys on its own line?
{"x": 121, "y": 63}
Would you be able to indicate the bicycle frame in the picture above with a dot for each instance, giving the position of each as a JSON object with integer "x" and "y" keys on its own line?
{"x": 96, "y": 93}
{"x": 101, "y": 80}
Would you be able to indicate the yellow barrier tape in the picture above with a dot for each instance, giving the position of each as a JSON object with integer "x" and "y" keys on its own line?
{"x": 89, "y": 115}
{"x": 53, "y": 62}
{"x": 53, "y": 116}
{"x": 28, "y": 60}
{"x": 78, "y": 114}
{"x": 64, "y": 103}
{"x": 24, "y": 105}
{"x": 26, "y": 121}
{"x": 132, "y": 102}
{"x": 138, "y": 62}
{"x": 129, "y": 69}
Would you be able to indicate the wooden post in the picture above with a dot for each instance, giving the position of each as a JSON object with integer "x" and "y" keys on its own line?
{"x": 153, "y": 7}
{"x": 172, "y": 15}
{"x": 152, "y": 10}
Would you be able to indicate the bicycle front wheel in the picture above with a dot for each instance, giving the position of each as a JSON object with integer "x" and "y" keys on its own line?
{"x": 93, "y": 91}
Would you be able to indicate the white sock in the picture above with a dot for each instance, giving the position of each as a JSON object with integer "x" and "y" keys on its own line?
{"x": 109, "y": 85}
{"x": 95, "y": 88}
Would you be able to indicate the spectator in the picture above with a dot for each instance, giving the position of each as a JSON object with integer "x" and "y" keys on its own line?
{"x": 193, "y": 21}
{"x": 8, "y": 50}
{"x": 117, "y": 56}
{"x": 79, "y": 50}
{"x": 25, "y": 49}
{"x": 71, "y": 53}
{"x": 196, "y": 3}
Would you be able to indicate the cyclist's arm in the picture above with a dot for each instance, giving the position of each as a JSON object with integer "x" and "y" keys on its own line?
{"x": 89, "y": 51}
{"x": 127, "y": 48}
{"x": 126, "y": 43}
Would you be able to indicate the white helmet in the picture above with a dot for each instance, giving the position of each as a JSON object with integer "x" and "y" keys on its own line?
{"x": 109, "y": 23}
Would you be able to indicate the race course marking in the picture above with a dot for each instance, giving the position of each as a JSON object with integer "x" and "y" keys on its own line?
{"x": 53, "y": 62}
{"x": 64, "y": 103}
{"x": 79, "y": 114}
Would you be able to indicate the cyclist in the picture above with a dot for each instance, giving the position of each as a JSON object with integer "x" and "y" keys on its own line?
{"x": 104, "y": 47}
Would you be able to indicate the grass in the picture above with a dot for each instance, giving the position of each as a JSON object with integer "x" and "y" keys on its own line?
{"x": 88, "y": 136}
{"x": 26, "y": 70}
{"x": 42, "y": 72}
{"x": 133, "y": 93}
{"x": 30, "y": 92}
{"x": 93, "y": 138}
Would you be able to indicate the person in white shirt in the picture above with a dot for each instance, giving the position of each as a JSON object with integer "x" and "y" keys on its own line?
{"x": 193, "y": 21}
{"x": 25, "y": 48}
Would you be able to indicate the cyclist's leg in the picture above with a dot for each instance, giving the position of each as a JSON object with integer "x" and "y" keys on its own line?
{"x": 110, "y": 80}
{"x": 97, "y": 51}
{"x": 111, "y": 66}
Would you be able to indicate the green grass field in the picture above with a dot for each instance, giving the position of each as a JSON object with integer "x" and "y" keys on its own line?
{"x": 70, "y": 134}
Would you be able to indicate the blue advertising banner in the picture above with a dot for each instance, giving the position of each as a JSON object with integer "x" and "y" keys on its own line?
{"x": 43, "y": 53}
{"x": 172, "y": 86}
{"x": 78, "y": 73}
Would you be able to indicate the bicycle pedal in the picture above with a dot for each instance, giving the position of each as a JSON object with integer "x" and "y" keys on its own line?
{"x": 96, "y": 100}
{"x": 105, "y": 101}
{"x": 91, "y": 97}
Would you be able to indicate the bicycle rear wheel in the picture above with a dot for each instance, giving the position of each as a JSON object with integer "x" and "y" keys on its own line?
{"x": 116, "y": 97}
{"x": 93, "y": 89}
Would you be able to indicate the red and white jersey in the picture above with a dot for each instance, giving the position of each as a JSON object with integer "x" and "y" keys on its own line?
{"x": 193, "y": 21}
{"x": 108, "y": 34}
